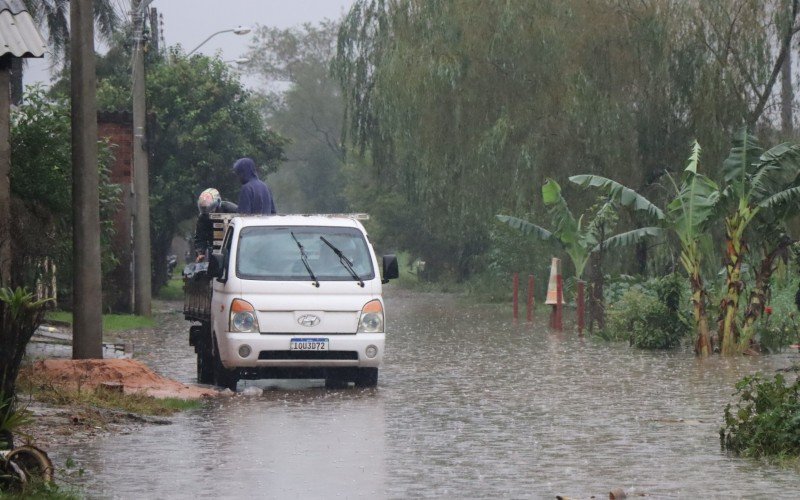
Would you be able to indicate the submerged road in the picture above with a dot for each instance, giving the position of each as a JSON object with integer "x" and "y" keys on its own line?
{"x": 468, "y": 405}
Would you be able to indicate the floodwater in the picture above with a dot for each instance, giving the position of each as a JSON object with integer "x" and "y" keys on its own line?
{"x": 468, "y": 405}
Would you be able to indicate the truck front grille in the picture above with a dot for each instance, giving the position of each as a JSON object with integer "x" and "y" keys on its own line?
{"x": 308, "y": 355}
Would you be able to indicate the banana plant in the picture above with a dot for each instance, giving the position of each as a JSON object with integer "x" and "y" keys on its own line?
{"x": 577, "y": 238}
{"x": 686, "y": 216}
{"x": 756, "y": 181}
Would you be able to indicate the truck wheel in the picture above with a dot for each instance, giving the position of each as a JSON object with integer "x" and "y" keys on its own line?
{"x": 205, "y": 363}
{"x": 222, "y": 376}
{"x": 367, "y": 377}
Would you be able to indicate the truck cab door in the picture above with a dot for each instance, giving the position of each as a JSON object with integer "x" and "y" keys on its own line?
{"x": 219, "y": 297}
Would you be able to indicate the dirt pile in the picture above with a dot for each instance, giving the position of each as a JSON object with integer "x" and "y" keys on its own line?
{"x": 134, "y": 377}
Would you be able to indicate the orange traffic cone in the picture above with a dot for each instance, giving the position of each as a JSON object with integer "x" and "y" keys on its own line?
{"x": 552, "y": 285}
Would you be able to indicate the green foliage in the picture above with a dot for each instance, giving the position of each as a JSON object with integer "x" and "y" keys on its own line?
{"x": 12, "y": 417}
{"x": 578, "y": 238}
{"x": 41, "y": 182}
{"x": 43, "y": 491}
{"x": 173, "y": 290}
{"x": 765, "y": 421}
{"x": 460, "y": 107}
{"x": 203, "y": 120}
{"x": 648, "y": 314}
{"x": 774, "y": 334}
{"x": 309, "y": 114}
{"x": 20, "y": 315}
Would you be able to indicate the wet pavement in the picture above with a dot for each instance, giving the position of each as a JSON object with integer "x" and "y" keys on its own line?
{"x": 468, "y": 405}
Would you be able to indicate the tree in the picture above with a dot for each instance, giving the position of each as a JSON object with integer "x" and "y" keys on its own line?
{"x": 309, "y": 114}
{"x": 687, "y": 216}
{"x": 52, "y": 17}
{"x": 20, "y": 316}
{"x": 755, "y": 181}
{"x": 42, "y": 195}
{"x": 448, "y": 104}
{"x": 203, "y": 120}
{"x": 576, "y": 238}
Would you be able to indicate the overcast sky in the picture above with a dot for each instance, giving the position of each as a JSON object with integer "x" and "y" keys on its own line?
{"x": 189, "y": 22}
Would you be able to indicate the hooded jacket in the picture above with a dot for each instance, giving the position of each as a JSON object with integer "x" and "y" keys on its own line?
{"x": 255, "y": 197}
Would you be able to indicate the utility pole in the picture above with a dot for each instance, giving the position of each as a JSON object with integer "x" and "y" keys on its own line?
{"x": 141, "y": 228}
{"x": 87, "y": 294}
{"x": 154, "y": 29}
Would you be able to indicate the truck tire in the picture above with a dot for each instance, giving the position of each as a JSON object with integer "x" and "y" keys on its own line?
{"x": 200, "y": 338}
{"x": 222, "y": 376}
{"x": 366, "y": 377}
{"x": 205, "y": 363}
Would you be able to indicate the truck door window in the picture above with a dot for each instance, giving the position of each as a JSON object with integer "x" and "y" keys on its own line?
{"x": 271, "y": 253}
{"x": 227, "y": 243}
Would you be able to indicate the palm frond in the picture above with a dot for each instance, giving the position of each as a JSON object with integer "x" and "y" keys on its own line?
{"x": 566, "y": 227}
{"x": 623, "y": 195}
{"x": 693, "y": 206}
{"x": 787, "y": 196}
{"x": 526, "y": 227}
{"x": 741, "y": 159}
{"x": 776, "y": 169}
{"x": 631, "y": 237}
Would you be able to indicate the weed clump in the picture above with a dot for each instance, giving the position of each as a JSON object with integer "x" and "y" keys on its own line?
{"x": 765, "y": 421}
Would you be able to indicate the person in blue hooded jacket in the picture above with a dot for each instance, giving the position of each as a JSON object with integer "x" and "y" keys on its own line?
{"x": 255, "y": 196}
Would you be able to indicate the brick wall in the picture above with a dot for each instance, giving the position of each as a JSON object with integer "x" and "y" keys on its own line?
{"x": 117, "y": 128}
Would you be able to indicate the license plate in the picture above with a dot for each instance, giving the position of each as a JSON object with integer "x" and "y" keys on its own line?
{"x": 308, "y": 344}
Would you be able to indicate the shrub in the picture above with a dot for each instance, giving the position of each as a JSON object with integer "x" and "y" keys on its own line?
{"x": 648, "y": 315}
{"x": 766, "y": 419}
{"x": 775, "y": 334}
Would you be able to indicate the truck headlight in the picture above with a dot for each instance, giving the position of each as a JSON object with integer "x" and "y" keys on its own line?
{"x": 371, "y": 320}
{"x": 243, "y": 317}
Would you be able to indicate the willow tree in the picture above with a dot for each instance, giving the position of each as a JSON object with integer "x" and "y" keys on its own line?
{"x": 458, "y": 107}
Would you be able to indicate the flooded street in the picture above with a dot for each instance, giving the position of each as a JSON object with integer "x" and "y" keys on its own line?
{"x": 468, "y": 405}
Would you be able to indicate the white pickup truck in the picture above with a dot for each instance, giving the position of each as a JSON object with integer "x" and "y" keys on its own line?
{"x": 289, "y": 296}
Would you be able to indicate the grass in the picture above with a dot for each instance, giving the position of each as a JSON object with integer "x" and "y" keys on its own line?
{"x": 173, "y": 290}
{"x": 44, "y": 491}
{"x": 46, "y": 391}
{"x": 111, "y": 322}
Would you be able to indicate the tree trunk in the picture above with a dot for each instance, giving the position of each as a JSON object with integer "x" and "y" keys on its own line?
{"x": 760, "y": 293}
{"x": 733, "y": 267}
{"x": 17, "y": 87}
{"x": 87, "y": 290}
{"x": 17, "y": 324}
{"x": 787, "y": 96}
{"x": 5, "y": 171}
{"x": 597, "y": 312}
{"x": 703, "y": 345}
{"x": 690, "y": 261}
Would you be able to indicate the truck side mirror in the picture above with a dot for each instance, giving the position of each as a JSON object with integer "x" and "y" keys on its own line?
{"x": 390, "y": 269}
{"x": 216, "y": 265}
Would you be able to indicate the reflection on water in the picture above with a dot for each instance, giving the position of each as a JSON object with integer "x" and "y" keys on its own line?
{"x": 468, "y": 405}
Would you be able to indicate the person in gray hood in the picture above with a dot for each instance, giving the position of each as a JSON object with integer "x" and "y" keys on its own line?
{"x": 255, "y": 196}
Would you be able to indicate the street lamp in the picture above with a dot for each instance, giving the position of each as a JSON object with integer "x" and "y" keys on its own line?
{"x": 241, "y": 60}
{"x": 239, "y": 30}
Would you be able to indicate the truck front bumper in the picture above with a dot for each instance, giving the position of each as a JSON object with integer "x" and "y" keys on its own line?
{"x": 252, "y": 350}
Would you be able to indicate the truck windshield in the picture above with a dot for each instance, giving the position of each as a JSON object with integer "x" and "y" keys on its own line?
{"x": 271, "y": 253}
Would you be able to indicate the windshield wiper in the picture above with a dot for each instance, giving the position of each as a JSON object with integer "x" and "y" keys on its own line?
{"x": 304, "y": 258}
{"x": 344, "y": 261}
